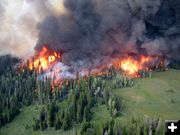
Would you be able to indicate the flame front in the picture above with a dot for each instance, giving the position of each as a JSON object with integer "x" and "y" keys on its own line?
{"x": 131, "y": 66}
{"x": 44, "y": 59}
{"x": 48, "y": 61}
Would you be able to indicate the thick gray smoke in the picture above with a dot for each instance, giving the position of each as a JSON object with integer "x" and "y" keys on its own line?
{"x": 94, "y": 31}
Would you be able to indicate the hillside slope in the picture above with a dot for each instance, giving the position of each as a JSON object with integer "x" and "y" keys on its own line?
{"x": 158, "y": 96}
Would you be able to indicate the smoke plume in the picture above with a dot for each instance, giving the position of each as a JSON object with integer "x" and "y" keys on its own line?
{"x": 18, "y": 24}
{"x": 91, "y": 32}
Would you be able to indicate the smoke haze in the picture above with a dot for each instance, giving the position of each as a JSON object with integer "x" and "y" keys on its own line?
{"x": 90, "y": 32}
{"x": 18, "y": 24}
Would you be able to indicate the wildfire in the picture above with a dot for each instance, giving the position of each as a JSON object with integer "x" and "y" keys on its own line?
{"x": 48, "y": 59}
{"x": 131, "y": 66}
{"x": 44, "y": 59}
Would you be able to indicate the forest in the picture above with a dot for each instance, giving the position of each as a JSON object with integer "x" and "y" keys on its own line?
{"x": 20, "y": 87}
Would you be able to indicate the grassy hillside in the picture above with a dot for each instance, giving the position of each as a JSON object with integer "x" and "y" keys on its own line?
{"x": 158, "y": 96}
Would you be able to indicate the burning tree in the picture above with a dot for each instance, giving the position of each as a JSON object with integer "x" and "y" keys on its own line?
{"x": 44, "y": 59}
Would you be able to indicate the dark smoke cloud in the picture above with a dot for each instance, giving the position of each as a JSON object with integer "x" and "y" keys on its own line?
{"x": 92, "y": 31}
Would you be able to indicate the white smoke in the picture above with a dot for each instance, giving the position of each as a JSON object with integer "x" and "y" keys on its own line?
{"x": 19, "y": 20}
{"x": 58, "y": 71}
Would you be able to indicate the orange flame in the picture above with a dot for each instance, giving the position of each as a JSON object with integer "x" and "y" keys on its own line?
{"x": 44, "y": 59}
{"x": 129, "y": 65}
{"x": 132, "y": 66}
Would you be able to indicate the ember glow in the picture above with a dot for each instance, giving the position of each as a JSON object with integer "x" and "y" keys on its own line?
{"x": 44, "y": 59}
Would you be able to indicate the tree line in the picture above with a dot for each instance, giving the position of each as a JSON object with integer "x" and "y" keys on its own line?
{"x": 21, "y": 87}
{"x": 83, "y": 95}
{"x": 135, "y": 126}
